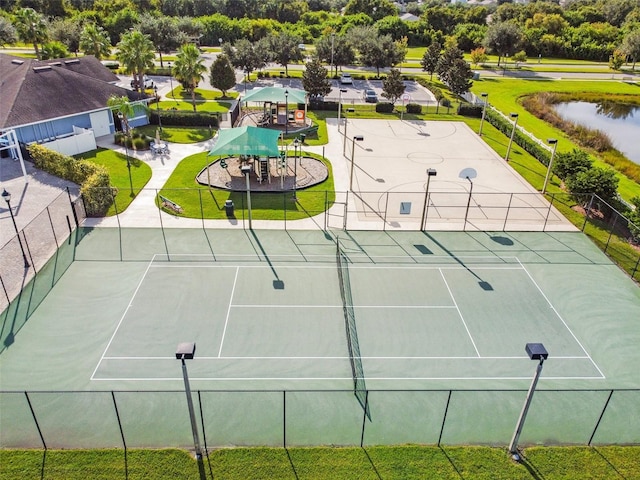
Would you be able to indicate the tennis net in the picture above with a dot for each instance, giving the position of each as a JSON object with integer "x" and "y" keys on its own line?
{"x": 359, "y": 386}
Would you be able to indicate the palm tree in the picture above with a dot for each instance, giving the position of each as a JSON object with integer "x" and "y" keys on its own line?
{"x": 121, "y": 105}
{"x": 136, "y": 53}
{"x": 95, "y": 41}
{"x": 189, "y": 69}
{"x": 32, "y": 27}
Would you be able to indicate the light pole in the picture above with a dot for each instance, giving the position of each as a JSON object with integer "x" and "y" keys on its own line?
{"x": 341, "y": 91}
{"x": 296, "y": 144}
{"x": 333, "y": 37}
{"x": 357, "y": 138}
{"x": 126, "y": 149}
{"x": 484, "y": 96}
{"x": 186, "y": 351}
{"x": 466, "y": 214}
{"x": 246, "y": 170}
{"x": 536, "y": 351}
{"x": 7, "y": 198}
{"x": 431, "y": 172}
{"x": 155, "y": 89}
{"x": 344, "y": 143}
{"x": 513, "y": 132}
{"x": 554, "y": 142}
{"x": 286, "y": 112}
{"x": 171, "y": 80}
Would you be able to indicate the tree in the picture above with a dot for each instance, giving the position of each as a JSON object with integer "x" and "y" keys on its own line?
{"x": 163, "y": 32}
{"x": 189, "y": 69}
{"x": 284, "y": 49}
{"x": 54, "y": 49}
{"x": 121, "y": 104}
{"x": 631, "y": 46}
{"x": 221, "y": 75}
{"x": 503, "y": 38}
{"x": 8, "y": 33}
{"x": 67, "y": 31}
{"x": 392, "y": 86}
{"x": 314, "y": 79}
{"x": 343, "y": 53}
{"x": 634, "y": 219}
{"x": 616, "y": 60}
{"x": 459, "y": 77}
{"x": 447, "y": 59}
{"x": 478, "y": 56}
{"x": 380, "y": 52}
{"x": 243, "y": 55}
{"x": 376, "y": 9}
{"x": 136, "y": 54}
{"x": 430, "y": 58}
{"x": 31, "y": 27}
{"x": 599, "y": 181}
{"x": 95, "y": 41}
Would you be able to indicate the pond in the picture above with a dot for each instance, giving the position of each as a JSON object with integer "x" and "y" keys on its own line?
{"x": 621, "y": 122}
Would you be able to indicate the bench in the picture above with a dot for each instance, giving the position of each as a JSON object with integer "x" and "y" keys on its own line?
{"x": 165, "y": 202}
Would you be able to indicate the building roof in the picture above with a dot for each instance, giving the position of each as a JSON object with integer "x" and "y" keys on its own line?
{"x": 33, "y": 91}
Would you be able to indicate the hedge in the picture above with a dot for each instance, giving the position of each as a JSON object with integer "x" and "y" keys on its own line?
{"x": 185, "y": 119}
{"x": 93, "y": 179}
{"x": 414, "y": 108}
{"x": 468, "y": 110}
{"x": 384, "y": 107}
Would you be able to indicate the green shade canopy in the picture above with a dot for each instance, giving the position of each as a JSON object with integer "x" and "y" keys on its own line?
{"x": 276, "y": 94}
{"x": 247, "y": 140}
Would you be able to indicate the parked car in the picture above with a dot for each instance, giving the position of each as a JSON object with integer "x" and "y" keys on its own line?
{"x": 345, "y": 79}
{"x": 369, "y": 96}
{"x": 146, "y": 81}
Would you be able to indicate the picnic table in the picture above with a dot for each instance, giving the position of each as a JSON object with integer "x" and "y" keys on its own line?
{"x": 159, "y": 148}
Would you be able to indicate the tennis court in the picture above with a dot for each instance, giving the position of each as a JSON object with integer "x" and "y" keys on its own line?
{"x": 399, "y": 318}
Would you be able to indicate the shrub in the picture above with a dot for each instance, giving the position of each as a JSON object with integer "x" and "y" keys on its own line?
{"x": 599, "y": 181}
{"x": 185, "y": 119}
{"x": 93, "y": 179}
{"x": 571, "y": 163}
{"x": 414, "y": 108}
{"x": 469, "y": 110}
{"x": 141, "y": 143}
{"x": 384, "y": 107}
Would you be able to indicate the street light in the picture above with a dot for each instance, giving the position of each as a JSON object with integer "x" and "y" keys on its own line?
{"x": 155, "y": 89}
{"x": 357, "y": 138}
{"x": 246, "y": 170}
{"x": 431, "y": 172}
{"x": 7, "y": 198}
{"x": 296, "y": 144}
{"x": 513, "y": 132}
{"x": 126, "y": 149}
{"x": 186, "y": 351}
{"x": 341, "y": 91}
{"x": 536, "y": 351}
{"x": 484, "y": 96}
{"x": 554, "y": 142}
{"x": 171, "y": 80}
{"x": 286, "y": 112}
{"x": 344, "y": 143}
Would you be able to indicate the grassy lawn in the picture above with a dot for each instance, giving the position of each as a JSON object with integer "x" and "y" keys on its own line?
{"x": 178, "y": 134}
{"x": 504, "y": 95}
{"x": 182, "y": 189}
{"x": 201, "y": 106}
{"x": 116, "y": 163}
{"x": 325, "y": 463}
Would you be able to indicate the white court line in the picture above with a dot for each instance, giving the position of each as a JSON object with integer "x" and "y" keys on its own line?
{"x": 226, "y": 320}
{"x": 426, "y": 307}
{"x": 122, "y": 317}
{"x": 409, "y": 266}
{"x": 459, "y": 313}
{"x": 562, "y": 320}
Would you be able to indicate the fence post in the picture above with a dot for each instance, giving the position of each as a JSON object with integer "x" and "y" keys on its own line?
{"x": 35, "y": 271}
{"x": 364, "y": 416}
{"x": 326, "y": 207}
{"x": 506, "y": 217}
{"x": 53, "y": 230}
{"x": 635, "y": 269}
{"x": 35, "y": 419}
{"x": 544, "y": 227}
{"x": 201, "y": 207}
{"x": 284, "y": 419}
{"x": 284, "y": 203}
{"x": 600, "y": 418}
{"x": 204, "y": 433}
{"x": 444, "y": 418}
{"x": 73, "y": 208}
{"x": 610, "y": 233}
{"x": 7, "y": 293}
{"x": 115, "y": 405}
{"x": 384, "y": 219}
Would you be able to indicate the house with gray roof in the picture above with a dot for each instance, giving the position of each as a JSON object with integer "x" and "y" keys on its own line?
{"x": 61, "y": 104}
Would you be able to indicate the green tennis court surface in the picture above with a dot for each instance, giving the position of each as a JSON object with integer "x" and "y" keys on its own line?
{"x": 272, "y": 311}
